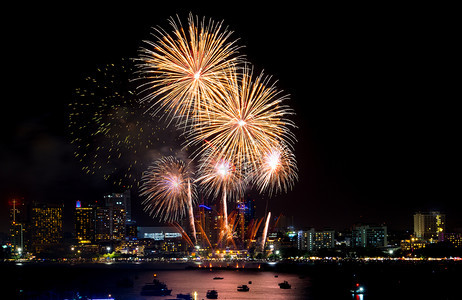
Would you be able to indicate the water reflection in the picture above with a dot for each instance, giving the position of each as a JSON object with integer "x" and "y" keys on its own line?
{"x": 128, "y": 284}
{"x": 358, "y": 296}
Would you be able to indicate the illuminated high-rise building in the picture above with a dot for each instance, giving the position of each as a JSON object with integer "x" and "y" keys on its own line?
{"x": 245, "y": 210}
{"x": 18, "y": 221}
{"x": 208, "y": 226}
{"x": 429, "y": 226}
{"x": 84, "y": 223}
{"x": 109, "y": 223}
{"x": 121, "y": 200}
{"x": 46, "y": 226}
{"x": 369, "y": 236}
{"x": 102, "y": 223}
{"x": 117, "y": 223}
{"x": 313, "y": 240}
{"x": 131, "y": 230}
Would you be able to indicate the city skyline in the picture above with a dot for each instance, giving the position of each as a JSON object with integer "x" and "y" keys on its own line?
{"x": 375, "y": 139}
{"x": 103, "y": 227}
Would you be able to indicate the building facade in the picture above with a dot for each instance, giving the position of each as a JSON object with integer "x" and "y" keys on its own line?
{"x": 412, "y": 244}
{"x": 429, "y": 226}
{"x": 312, "y": 240}
{"x": 245, "y": 210}
{"x": 18, "y": 226}
{"x": 369, "y": 236}
{"x": 84, "y": 223}
{"x": 453, "y": 238}
{"x": 46, "y": 226}
{"x": 109, "y": 223}
{"x": 163, "y": 239}
{"x": 121, "y": 200}
{"x": 208, "y": 226}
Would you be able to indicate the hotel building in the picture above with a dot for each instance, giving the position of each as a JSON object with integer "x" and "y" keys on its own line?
{"x": 429, "y": 226}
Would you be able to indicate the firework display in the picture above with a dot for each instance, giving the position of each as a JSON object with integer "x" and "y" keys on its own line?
{"x": 235, "y": 122}
{"x": 276, "y": 171}
{"x": 246, "y": 121}
{"x": 265, "y": 231}
{"x": 220, "y": 175}
{"x": 168, "y": 189}
{"x": 113, "y": 136}
{"x": 182, "y": 71}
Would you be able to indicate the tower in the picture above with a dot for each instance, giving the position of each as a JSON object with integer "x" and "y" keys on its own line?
{"x": 84, "y": 224}
{"x": 429, "y": 225}
{"x": 18, "y": 220}
{"x": 121, "y": 200}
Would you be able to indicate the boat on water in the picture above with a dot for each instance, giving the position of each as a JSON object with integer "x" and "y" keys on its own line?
{"x": 212, "y": 294}
{"x": 217, "y": 278}
{"x": 358, "y": 290}
{"x": 156, "y": 288}
{"x": 184, "y": 296}
{"x": 284, "y": 285}
{"x": 243, "y": 288}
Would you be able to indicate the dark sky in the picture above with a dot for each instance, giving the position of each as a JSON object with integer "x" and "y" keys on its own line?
{"x": 374, "y": 90}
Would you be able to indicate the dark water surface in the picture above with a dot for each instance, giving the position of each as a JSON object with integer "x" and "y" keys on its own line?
{"x": 315, "y": 281}
{"x": 102, "y": 280}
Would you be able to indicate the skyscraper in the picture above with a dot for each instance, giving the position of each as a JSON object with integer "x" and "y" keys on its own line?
{"x": 245, "y": 210}
{"x": 102, "y": 223}
{"x": 208, "y": 226}
{"x": 84, "y": 224}
{"x": 109, "y": 223}
{"x": 121, "y": 200}
{"x": 18, "y": 220}
{"x": 46, "y": 226}
{"x": 429, "y": 225}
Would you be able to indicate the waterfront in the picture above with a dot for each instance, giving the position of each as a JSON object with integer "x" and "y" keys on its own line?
{"x": 382, "y": 280}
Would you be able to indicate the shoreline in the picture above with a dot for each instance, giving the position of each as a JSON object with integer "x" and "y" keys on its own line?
{"x": 236, "y": 264}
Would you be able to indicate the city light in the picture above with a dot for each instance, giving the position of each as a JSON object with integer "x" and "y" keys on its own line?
{"x": 205, "y": 206}
{"x": 207, "y": 144}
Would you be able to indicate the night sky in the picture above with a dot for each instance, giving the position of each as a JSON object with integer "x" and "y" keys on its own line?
{"x": 374, "y": 90}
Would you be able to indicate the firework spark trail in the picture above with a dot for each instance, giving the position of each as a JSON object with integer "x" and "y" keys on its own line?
{"x": 109, "y": 129}
{"x": 254, "y": 229}
{"x": 277, "y": 170}
{"x": 265, "y": 232}
{"x": 191, "y": 212}
{"x": 225, "y": 213}
{"x": 277, "y": 221}
{"x": 218, "y": 175}
{"x": 236, "y": 121}
{"x": 201, "y": 229}
{"x": 165, "y": 186}
{"x": 183, "y": 234}
{"x": 248, "y": 120}
{"x": 180, "y": 72}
